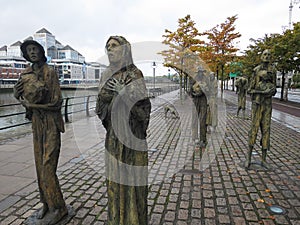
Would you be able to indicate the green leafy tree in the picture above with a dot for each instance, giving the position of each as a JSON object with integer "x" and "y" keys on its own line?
{"x": 251, "y": 57}
{"x": 236, "y": 68}
{"x": 286, "y": 52}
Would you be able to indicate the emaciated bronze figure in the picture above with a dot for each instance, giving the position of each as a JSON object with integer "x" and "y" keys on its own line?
{"x": 241, "y": 89}
{"x": 262, "y": 87}
{"x": 199, "y": 112}
{"x": 39, "y": 92}
{"x": 212, "y": 95}
{"x": 124, "y": 109}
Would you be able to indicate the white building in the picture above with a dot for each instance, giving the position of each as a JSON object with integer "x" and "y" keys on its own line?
{"x": 69, "y": 63}
{"x": 45, "y": 38}
{"x": 3, "y": 51}
{"x": 14, "y": 49}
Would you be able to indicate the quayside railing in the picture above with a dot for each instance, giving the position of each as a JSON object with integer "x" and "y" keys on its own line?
{"x": 71, "y": 105}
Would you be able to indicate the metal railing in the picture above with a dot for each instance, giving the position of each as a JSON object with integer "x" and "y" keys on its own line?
{"x": 71, "y": 105}
{"x": 11, "y": 115}
{"x": 86, "y": 101}
{"x": 77, "y": 103}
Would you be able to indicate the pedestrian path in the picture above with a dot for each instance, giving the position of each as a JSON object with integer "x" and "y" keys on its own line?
{"x": 285, "y": 119}
{"x": 186, "y": 185}
{"x": 293, "y": 95}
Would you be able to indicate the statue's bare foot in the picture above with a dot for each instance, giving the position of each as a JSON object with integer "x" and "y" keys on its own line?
{"x": 265, "y": 164}
{"x": 247, "y": 164}
{"x": 53, "y": 217}
{"x": 57, "y": 215}
{"x": 42, "y": 212}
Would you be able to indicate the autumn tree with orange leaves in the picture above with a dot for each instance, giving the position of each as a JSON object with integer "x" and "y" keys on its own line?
{"x": 184, "y": 43}
{"x": 222, "y": 44}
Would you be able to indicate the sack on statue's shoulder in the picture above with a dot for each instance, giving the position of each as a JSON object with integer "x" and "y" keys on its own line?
{"x": 35, "y": 91}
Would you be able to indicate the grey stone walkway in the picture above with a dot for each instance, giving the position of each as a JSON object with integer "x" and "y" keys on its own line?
{"x": 186, "y": 185}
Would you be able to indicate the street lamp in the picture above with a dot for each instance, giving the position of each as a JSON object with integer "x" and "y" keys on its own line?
{"x": 153, "y": 66}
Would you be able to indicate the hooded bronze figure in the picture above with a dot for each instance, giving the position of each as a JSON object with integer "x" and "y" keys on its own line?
{"x": 124, "y": 109}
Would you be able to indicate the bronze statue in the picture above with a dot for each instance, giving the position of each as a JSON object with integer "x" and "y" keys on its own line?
{"x": 212, "y": 110}
{"x": 199, "y": 113}
{"x": 39, "y": 92}
{"x": 124, "y": 109}
{"x": 262, "y": 87}
{"x": 241, "y": 89}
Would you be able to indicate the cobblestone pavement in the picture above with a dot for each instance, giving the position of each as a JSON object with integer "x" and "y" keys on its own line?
{"x": 183, "y": 189}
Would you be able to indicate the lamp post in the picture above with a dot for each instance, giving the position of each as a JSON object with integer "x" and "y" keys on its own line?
{"x": 153, "y": 66}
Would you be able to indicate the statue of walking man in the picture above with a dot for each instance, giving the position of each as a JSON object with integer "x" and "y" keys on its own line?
{"x": 262, "y": 87}
{"x": 241, "y": 89}
{"x": 39, "y": 92}
{"x": 199, "y": 113}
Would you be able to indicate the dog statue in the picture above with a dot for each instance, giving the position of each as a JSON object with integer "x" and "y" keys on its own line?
{"x": 171, "y": 110}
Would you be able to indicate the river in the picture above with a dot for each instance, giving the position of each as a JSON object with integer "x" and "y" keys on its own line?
{"x": 79, "y": 104}
{"x": 7, "y": 98}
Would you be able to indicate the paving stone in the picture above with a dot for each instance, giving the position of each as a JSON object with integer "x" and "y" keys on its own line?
{"x": 170, "y": 216}
{"x": 224, "y": 219}
{"x": 9, "y": 219}
{"x": 183, "y": 214}
{"x": 8, "y": 202}
{"x": 239, "y": 220}
{"x": 209, "y": 213}
{"x": 158, "y": 208}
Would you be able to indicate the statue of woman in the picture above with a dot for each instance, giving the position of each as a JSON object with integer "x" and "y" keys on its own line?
{"x": 124, "y": 109}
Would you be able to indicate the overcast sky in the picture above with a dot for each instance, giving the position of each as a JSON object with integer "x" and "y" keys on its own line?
{"x": 86, "y": 24}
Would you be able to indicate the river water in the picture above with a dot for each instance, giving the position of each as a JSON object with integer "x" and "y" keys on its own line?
{"x": 7, "y": 98}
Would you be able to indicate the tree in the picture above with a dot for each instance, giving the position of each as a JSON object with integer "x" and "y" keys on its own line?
{"x": 222, "y": 43}
{"x": 183, "y": 44}
{"x": 235, "y": 69}
{"x": 251, "y": 57}
{"x": 286, "y": 53}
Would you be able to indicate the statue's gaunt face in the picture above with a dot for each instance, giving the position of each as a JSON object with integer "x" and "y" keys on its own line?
{"x": 114, "y": 51}
{"x": 266, "y": 56}
{"x": 34, "y": 53}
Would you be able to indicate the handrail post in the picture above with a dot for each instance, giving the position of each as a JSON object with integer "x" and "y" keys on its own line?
{"x": 66, "y": 110}
{"x": 87, "y": 106}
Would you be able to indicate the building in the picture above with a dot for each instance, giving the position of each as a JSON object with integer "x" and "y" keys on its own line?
{"x": 69, "y": 63}
{"x": 11, "y": 68}
{"x": 11, "y": 63}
